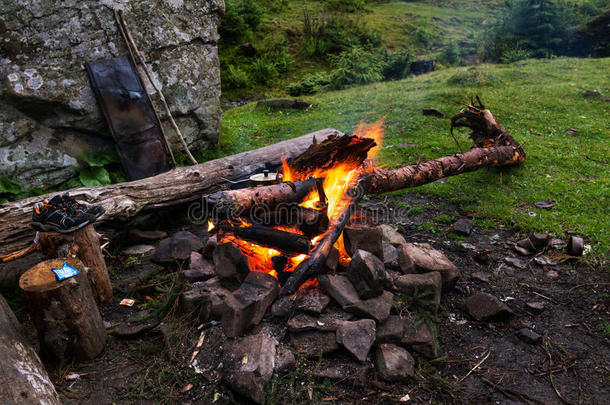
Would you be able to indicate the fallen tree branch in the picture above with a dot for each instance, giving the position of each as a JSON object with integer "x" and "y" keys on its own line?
{"x": 123, "y": 201}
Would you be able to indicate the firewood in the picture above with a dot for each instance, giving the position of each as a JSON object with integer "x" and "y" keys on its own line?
{"x": 253, "y": 200}
{"x": 64, "y": 312}
{"x": 124, "y": 201}
{"x": 287, "y": 242}
{"x": 83, "y": 244}
{"x": 494, "y": 147}
{"x": 310, "y": 221}
{"x": 21, "y": 366}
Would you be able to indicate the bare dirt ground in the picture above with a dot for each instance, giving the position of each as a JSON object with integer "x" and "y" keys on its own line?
{"x": 480, "y": 362}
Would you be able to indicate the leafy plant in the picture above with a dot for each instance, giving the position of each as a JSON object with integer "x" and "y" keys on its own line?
{"x": 349, "y": 6}
{"x": 310, "y": 84}
{"x": 264, "y": 69}
{"x": 397, "y": 64}
{"x": 356, "y": 66}
{"x": 8, "y": 188}
{"x": 96, "y": 174}
{"x": 240, "y": 19}
{"x": 451, "y": 54}
{"x": 235, "y": 78}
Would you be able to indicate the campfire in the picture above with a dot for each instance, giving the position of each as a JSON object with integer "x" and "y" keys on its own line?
{"x": 278, "y": 236}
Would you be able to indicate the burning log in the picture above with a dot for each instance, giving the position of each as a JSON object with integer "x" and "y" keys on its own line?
{"x": 286, "y": 242}
{"x": 310, "y": 221}
{"x": 348, "y": 149}
{"x": 246, "y": 201}
{"x": 314, "y": 264}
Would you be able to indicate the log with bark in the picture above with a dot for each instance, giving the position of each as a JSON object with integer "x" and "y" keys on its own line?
{"x": 286, "y": 242}
{"x": 123, "y": 201}
{"x": 23, "y": 378}
{"x": 64, "y": 312}
{"x": 245, "y": 202}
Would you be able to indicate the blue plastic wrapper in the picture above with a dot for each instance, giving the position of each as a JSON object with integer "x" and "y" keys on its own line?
{"x": 65, "y": 272}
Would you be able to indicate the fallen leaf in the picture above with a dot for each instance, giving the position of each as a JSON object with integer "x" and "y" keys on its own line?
{"x": 330, "y": 399}
{"x": 187, "y": 388}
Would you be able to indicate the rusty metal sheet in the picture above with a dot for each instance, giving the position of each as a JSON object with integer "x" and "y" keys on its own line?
{"x": 130, "y": 117}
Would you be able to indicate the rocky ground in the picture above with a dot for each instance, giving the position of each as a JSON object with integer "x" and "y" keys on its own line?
{"x": 513, "y": 329}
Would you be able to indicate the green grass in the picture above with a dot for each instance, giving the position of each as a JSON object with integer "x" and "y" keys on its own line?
{"x": 536, "y": 103}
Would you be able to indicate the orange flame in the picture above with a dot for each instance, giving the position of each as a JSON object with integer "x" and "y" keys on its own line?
{"x": 337, "y": 180}
{"x": 375, "y": 131}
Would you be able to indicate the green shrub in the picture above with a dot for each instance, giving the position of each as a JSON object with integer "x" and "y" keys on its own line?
{"x": 310, "y": 84}
{"x": 263, "y": 69}
{"x": 335, "y": 33}
{"x": 235, "y": 78}
{"x": 451, "y": 54}
{"x": 541, "y": 27}
{"x": 356, "y": 66}
{"x": 241, "y": 17}
{"x": 514, "y": 54}
{"x": 396, "y": 64}
{"x": 423, "y": 36}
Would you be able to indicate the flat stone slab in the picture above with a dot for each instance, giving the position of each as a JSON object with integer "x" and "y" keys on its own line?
{"x": 357, "y": 337}
{"x": 393, "y": 363}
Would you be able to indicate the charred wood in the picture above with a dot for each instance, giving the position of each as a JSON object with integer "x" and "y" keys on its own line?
{"x": 286, "y": 242}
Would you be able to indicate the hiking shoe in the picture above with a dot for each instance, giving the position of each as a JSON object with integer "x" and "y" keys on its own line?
{"x": 48, "y": 216}
{"x": 94, "y": 210}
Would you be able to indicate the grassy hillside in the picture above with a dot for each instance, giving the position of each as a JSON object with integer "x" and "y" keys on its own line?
{"x": 425, "y": 27}
{"x": 535, "y": 102}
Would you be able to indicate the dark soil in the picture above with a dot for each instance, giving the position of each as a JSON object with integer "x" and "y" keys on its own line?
{"x": 481, "y": 362}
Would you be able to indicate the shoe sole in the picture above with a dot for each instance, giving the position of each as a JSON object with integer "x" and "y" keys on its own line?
{"x": 50, "y": 227}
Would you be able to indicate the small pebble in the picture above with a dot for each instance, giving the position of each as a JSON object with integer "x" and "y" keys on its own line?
{"x": 529, "y": 336}
{"x": 552, "y": 274}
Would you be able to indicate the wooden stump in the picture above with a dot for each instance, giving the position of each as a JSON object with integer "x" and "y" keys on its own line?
{"x": 23, "y": 378}
{"x": 65, "y": 314}
{"x": 83, "y": 244}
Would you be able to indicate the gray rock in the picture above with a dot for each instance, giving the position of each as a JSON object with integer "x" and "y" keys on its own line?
{"x": 463, "y": 226}
{"x": 339, "y": 288}
{"x": 301, "y": 323}
{"x": 283, "y": 104}
{"x": 313, "y": 343}
{"x": 284, "y": 360}
{"x": 210, "y": 245}
{"x": 391, "y": 330}
{"x": 140, "y": 323}
{"x": 138, "y": 250}
{"x": 204, "y": 299}
{"x": 485, "y": 307}
{"x": 427, "y": 284}
{"x": 433, "y": 112}
{"x": 282, "y": 307}
{"x": 390, "y": 255}
{"x": 311, "y": 300}
{"x": 515, "y": 262}
{"x": 535, "y": 306}
{"x": 377, "y": 308}
{"x": 200, "y": 269}
{"x": 248, "y": 304}
{"x": 138, "y": 236}
{"x": 363, "y": 237}
{"x": 391, "y": 235}
{"x": 248, "y": 365}
{"x": 177, "y": 247}
{"x": 418, "y": 337}
{"x": 393, "y": 363}
{"x": 357, "y": 337}
{"x": 338, "y": 370}
{"x": 425, "y": 259}
{"x": 367, "y": 274}
{"x": 529, "y": 336}
{"x": 231, "y": 265}
{"x": 48, "y": 114}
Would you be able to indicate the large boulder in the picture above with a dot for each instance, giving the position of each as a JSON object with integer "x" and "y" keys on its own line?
{"x": 49, "y": 118}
